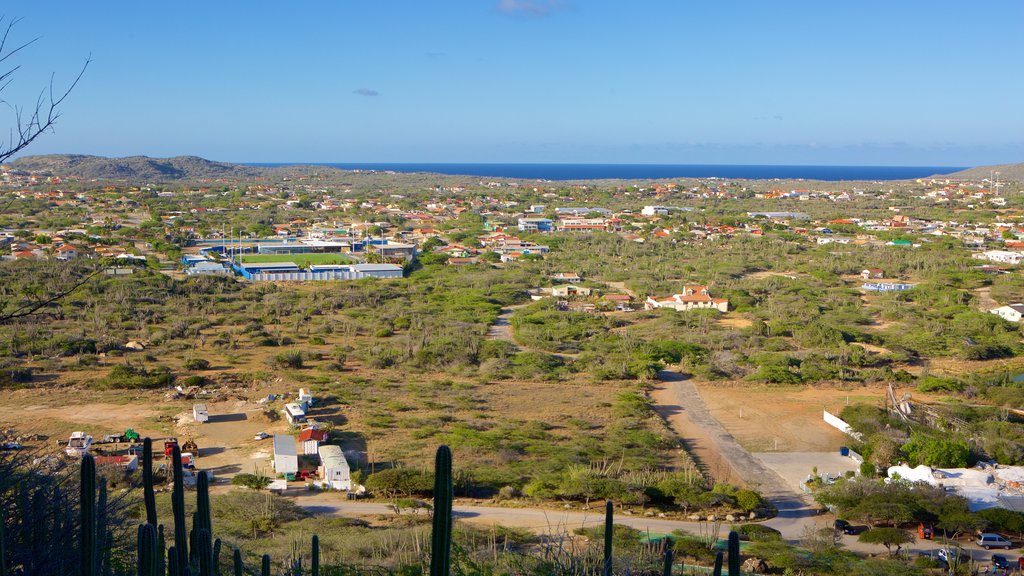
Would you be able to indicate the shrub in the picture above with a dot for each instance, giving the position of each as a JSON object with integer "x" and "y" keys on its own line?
{"x": 290, "y": 359}
{"x": 757, "y": 532}
{"x": 936, "y": 384}
{"x": 197, "y": 364}
{"x": 250, "y": 481}
{"x": 128, "y": 376}
{"x": 748, "y": 500}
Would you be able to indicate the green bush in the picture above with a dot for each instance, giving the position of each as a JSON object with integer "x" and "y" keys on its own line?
{"x": 748, "y": 500}
{"x": 128, "y": 376}
{"x": 253, "y": 481}
{"x": 197, "y": 364}
{"x": 290, "y": 359}
{"x": 757, "y": 532}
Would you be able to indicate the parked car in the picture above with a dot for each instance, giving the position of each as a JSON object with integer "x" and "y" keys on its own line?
{"x": 1000, "y": 561}
{"x": 262, "y": 436}
{"x": 989, "y": 541}
{"x": 10, "y": 446}
{"x": 846, "y": 528}
{"x": 951, "y": 556}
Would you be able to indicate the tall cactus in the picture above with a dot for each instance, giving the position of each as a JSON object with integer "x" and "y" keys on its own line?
{"x": 717, "y": 571}
{"x": 666, "y": 568}
{"x": 178, "y": 507}
{"x": 3, "y": 547}
{"x": 204, "y": 520}
{"x": 314, "y": 562}
{"x": 265, "y": 566}
{"x": 161, "y": 543}
{"x": 441, "y": 533}
{"x": 734, "y": 554}
{"x": 148, "y": 491}
{"x": 237, "y": 562}
{"x": 609, "y": 529}
{"x": 103, "y": 536}
{"x": 173, "y": 568}
{"x": 149, "y": 555}
{"x": 89, "y": 564}
{"x": 205, "y": 552}
{"x": 216, "y": 557}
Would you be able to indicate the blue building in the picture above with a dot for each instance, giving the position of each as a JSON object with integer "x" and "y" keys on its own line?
{"x": 536, "y": 225}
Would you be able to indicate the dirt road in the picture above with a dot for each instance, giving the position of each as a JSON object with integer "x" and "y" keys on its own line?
{"x": 502, "y": 329}
{"x": 678, "y": 401}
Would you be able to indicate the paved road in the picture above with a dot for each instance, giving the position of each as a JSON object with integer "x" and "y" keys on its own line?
{"x": 560, "y": 522}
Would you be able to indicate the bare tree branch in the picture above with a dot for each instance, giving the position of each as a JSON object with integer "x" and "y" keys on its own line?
{"x": 31, "y": 308}
{"x": 46, "y": 110}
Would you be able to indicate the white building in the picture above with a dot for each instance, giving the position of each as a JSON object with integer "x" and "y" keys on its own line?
{"x": 1001, "y": 256}
{"x": 692, "y": 297}
{"x": 294, "y": 414}
{"x": 200, "y": 414}
{"x": 206, "y": 267}
{"x": 334, "y": 468}
{"x": 286, "y": 460}
{"x": 654, "y": 210}
{"x": 1011, "y": 313}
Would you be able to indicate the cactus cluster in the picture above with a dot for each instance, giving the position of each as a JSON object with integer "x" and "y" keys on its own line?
{"x": 197, "y": 552}
{"x": 668, "y": 561}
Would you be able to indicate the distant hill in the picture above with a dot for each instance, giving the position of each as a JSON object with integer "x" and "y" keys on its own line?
{"x": 137, "y": 168}
{"x": 1007, "y": 172}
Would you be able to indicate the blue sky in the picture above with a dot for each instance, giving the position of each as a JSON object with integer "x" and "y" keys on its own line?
{"x": 725, "y": 82}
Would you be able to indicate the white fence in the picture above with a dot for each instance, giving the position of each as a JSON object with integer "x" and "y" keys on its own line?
{"x": 841, "y": 425}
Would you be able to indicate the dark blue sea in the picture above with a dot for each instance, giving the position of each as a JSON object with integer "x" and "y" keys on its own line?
{"x": 649, "y": 171}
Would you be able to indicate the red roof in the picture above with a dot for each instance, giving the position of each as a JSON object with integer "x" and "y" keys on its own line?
{"x": 311, "y": 434}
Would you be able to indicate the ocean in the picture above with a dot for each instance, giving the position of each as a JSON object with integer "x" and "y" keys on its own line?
{"x": 647, "y": 171}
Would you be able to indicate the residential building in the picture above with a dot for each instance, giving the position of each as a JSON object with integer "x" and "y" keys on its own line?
{"x": 311, "y": 439}
{"x": 286, "y": 460}
{"x": 536, "y": 225}
{"x": 1011, "y": 313}
{"x": 66, "y": 252}
{"x": 1001, "y": 256}
{"x": 692, "y": 297}
{"x": 334, "y": 468}
{"x": 569, "y": 291}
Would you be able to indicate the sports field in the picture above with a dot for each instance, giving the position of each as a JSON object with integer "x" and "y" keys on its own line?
{"x": 298, "y": 259}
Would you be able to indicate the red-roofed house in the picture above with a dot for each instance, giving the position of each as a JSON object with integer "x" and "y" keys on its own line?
{"x": 311, "y": 439}
{"x": 690, "y": 298}
{"x": 66, "y": 252}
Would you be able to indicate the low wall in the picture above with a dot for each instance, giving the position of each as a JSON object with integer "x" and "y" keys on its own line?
{"x": 841, "y": 425}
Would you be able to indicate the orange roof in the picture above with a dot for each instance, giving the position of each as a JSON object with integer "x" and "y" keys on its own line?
{"x": 311, "y": 434}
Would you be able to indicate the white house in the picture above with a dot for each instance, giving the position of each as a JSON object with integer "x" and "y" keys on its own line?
{"x": 654, "y": 210}
{"x": 690, "y": 298}
{"x": 294, "y": 413}
{"x": 66, "y": 252}
{"x": 286, "y": 460}
{"x": 1011, "y": 313}
{"x": 1001, "y": 256}
{"x": 334, "y": 468}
